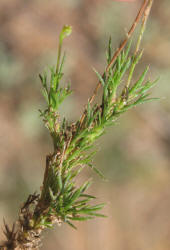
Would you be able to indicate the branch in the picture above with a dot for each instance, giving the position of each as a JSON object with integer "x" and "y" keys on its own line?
{"x": 118, "y": 51}
{"x": 143, "y": 26}
{"x": 61, "y": 200}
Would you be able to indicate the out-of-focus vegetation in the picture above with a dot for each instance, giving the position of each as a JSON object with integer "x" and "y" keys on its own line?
{"x": 134, "y": 155}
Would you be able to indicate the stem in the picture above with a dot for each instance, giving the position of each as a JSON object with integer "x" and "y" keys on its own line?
{"x": 144, "y": 21}
{"x": 66, "y": 31}
{"x": 118, "y": 51}
{"x": 40, "y": 212}
{"x": 143, "y": 26}
{"x": 59, "y": 55}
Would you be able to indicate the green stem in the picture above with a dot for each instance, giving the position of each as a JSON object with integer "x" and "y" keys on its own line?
{"x": 59, "y": 55}
{"x": 66, "y": 31}
{"x": 142, "y": 30}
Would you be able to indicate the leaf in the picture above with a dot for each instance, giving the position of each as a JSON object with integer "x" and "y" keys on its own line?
{"x": 88, "y": 196}
{"x": 53, "y": 197}
{"x": 127, "y": 50}
{"x": 148, "y": 85}
{"x": 91, "y": 209}
{"x": 124, "y": 68}
{"x": 109, "y": 51}
{"x": 43, "y": 80}
{"x": 52, "y": 97}
{"x": 97, "y": 171}
{"x": 59, "y": 181}
{"x": 45, "y": 94}
{"x": 100, "y": 77}
{"x": 98, "y": 215}
{"x": 81, "y": 218}
{"x": 147, "y": 100}
{"x": 80, "y": 203}
{"x": 75, "y": 196}
{"x": 85, "y": 186}
{"x": 72, "y": 225}
{"x": 62, "y": 63}
{"x": 139, "y": 82}
{"x": 89, "y": 111}
{"x": 119, "y": 63}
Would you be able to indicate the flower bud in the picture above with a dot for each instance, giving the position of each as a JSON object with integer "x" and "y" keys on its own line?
{"x": 66, "y": 31}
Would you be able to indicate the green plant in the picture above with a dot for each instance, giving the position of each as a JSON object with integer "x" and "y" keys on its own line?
{"x": 60, "y": 199}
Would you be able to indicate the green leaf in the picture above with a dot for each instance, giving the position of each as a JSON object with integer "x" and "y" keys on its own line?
{"x": 142, "y": 101}
{"x": 81, "y": 218}
{"x": 53, "y": 101}
{"x": 97, "y": 171}
{"x": 91, "y": 209}
{"x": 70, "y": 224}
{"x": 139, "y": 82}
{"x": 127, "y": 50}
{"x": 85, "y": 186}
{"x": 53, "y": 197}
{"x": 88, "y": 196}
{"x": 59, "y": 181}
{"x": 100, "y": 77}
{"x": 43, "y": 79}
{"x": 98, "y": 215}
{"x": 148, "y": 85}
{"x": 45, "y": 94}
{"x": 62, "y": 64}
{"x": 89, "y": 111}
{"x": 124, "y": 68}
{"x": 109, "y": 51}
{"x": 75, "y": 196}
{"x": 119, "y": 63}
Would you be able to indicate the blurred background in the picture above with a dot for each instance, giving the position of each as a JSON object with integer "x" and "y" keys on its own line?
{"x": 134, "y": 155}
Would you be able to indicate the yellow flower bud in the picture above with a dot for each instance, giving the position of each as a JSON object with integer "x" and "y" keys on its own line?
{"x": 66, "y": 31}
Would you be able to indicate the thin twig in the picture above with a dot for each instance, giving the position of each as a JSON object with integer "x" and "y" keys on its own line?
{"x": 144, "y": 21}
{"x": 118, "y": 51}
{"x": 143, "y": 26}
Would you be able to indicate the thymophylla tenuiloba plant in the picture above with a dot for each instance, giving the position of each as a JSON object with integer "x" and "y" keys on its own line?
{"x": 60, "y": 199}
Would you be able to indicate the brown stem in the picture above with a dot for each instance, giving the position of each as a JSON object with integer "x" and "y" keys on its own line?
{"x": 118, "y": 51}
{"x": 23, "y": 235}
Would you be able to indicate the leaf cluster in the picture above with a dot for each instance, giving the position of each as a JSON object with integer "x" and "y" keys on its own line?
{"x": 74, "y": 143}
